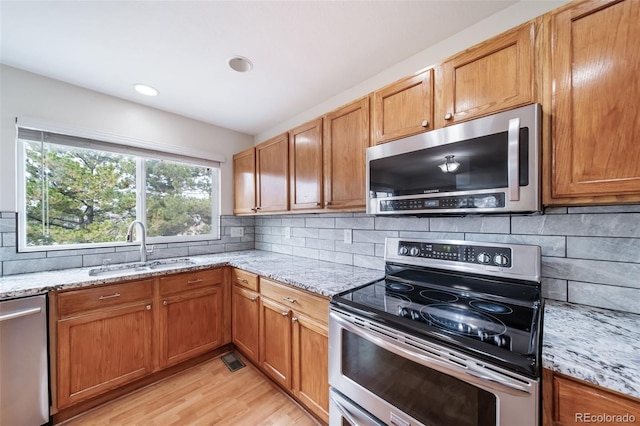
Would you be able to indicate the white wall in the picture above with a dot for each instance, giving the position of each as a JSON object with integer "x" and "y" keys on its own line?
{"x": 487, "y": 28}
{"x": 23, "y": 94}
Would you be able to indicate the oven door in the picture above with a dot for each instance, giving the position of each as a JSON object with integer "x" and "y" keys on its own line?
{"x": 345, "y": 412}
{"x": 403, "y": 380}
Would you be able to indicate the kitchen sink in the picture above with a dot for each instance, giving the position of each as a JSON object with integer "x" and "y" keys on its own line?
{"x": 141, "y": 267}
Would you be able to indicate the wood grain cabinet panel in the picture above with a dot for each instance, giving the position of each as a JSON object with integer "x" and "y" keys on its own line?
{"x": 272, "y": 175}
{"x": 305, "y": 165}
{"x": 245, "y": 321}
{"x": 103, "y": 350}
{"x": 346, "y": 138}
{"x": 403, "y": 108}
{"x": 490, "y": 77}
{"x": 595, "y": 113}
{"x": 568, "y": 401}
{"x": 244, "y": 182}
{"x": 275, "y": 341}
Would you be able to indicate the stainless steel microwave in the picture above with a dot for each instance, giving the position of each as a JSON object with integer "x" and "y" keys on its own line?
{"x": 486, "y": 165}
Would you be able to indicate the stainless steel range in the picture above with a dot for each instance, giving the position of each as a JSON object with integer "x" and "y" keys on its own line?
{"x": 451, "y": 336}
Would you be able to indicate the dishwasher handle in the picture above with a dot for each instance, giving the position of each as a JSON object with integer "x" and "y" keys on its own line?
{"x": 18, "y": 314}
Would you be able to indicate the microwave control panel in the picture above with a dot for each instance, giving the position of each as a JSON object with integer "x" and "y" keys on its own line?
{"x": 483, "y": 255}
{"x": 480, "y": 201}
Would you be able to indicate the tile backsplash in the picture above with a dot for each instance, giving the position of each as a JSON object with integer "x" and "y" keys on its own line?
{"x": 12, "y": 262}
{"x": 591, "y": 255}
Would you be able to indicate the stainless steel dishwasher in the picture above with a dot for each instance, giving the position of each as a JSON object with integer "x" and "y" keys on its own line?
{"x": 24, "y": 373}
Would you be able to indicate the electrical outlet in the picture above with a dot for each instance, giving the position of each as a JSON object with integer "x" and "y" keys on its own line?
{"x": 237, "y": 231}
{"x": 287, "y": 232}
{"x": 348, "y": 236}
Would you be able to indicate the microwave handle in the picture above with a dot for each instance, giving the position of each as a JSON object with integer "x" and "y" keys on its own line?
{"x": 514, "y": 159}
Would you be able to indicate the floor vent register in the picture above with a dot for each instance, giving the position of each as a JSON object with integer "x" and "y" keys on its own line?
{"x": 232, "y": 361}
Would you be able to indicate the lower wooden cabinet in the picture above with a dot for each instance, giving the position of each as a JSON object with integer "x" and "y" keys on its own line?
{"x": 569, "y": 401}
{"x": 245, "y": 320}
{"x": 275, "y": 341}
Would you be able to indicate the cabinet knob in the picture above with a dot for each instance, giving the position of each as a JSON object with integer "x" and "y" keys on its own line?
{"x": 258, "y": 208}
{"x": 294, "y": 319}
{"x": 254, "y": 298}
{"x": 284, "y": 314}
{"x": 148, "y": 307}
{"x": 448, "y": 116}
{"x": 254, "y": 209}
{"x": 165, "y": 303}
{"x": 425, "y": 123}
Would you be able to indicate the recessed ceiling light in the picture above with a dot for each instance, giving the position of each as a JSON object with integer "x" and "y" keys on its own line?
{"x": 240, "y": 64}
{"x": 145, "y": 90}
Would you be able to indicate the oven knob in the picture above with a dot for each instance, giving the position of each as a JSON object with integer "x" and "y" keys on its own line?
{"x": 414, "y": 251}
{"x": 403, "y": 250}
{"x": 484, "y": 258}
{"x": 500, "y": 260}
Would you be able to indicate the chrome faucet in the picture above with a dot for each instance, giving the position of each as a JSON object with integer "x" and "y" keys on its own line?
{"x": 143, "y": 243}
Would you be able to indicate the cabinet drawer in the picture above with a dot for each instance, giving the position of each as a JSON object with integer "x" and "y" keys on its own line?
{"x": 299, "y": 300}
{"x": 189, "y": 281}
{"x": 76, "y": 301}
{"x": 245, "y": 279}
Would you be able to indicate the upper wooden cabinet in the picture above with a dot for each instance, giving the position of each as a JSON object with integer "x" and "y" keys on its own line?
{"x": 346, "y": 138}
{"x": 305, "y": 166}
{"x": 403, "y": 108}
{"x": 244, "y": 182}
{"x": 595, "y": 154}
{"x": 272, "y": 175}
{"x": 493, "y": 76}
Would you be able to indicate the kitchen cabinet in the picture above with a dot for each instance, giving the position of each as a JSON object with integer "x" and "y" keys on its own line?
{"x": 244, "y": 182}
{"x": 594, "y": 152}
{"x": 192, "y": 315}
{"x": 568, "y": 401}
{"x": 403, "y": 108}
{"x": 490, "y": 77}
{"x": 272, "y": 175}
{"x": 346, "y": 138}
{"x": 305, "y": 166}
{"x": 294, "y": 343}
{"x": 245, "y": 320}
{"x": 104, "y": 337}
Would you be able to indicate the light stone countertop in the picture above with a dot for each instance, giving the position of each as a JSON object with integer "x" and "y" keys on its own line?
{"x": 596, "y": 345}
{"x": 324, "y": 278}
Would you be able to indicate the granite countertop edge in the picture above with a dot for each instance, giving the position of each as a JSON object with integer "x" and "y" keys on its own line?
{"x": 599, "y": 346}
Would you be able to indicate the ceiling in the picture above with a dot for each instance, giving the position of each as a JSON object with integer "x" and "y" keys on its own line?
{"x": 304, "y": 52}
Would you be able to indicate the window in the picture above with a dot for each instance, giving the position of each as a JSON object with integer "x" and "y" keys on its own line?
{"x": 84, "y": 193}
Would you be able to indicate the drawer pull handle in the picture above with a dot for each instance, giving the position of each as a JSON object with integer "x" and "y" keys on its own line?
{"x": 294, "y": 319}
{"x": 199, "y": 280}
{"x": 254, "y": 298}
{"x": 290, "y": 300}
{"x": 109, "y": 297}
{"x": 284, "y": 314}
{"x": 242, "y": 280}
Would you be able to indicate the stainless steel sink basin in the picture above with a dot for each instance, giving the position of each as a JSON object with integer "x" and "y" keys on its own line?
{"x": 141, "y": 267}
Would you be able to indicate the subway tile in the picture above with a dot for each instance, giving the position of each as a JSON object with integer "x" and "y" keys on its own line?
{"x": 275, "y": 239}
{"x": 555, "y": 289}
{"x": 379, "y": 250}
{"x": 272, "y": 221}
{"x": 81, "y": 252}
{"x": 336, "y": 257}
{"x": 239, "y": 246}
{"x": 10, "y": 253}
{"x": 262, "y": 229}
{"x": 9, "y": 239}
{"x": 593, "y": 271}
{"x": 8, "y": 215}
{"x": 320, "y": 222}
{"x": 306, "y": 252}
{"x": 247, "y": 238}
{"x": 594, "y": 225}
{"x": 305, "y": 232}
{"x": 208, "y": 249}
{"x": 320, "y": 244}
{"x": 8, "y": 225}
{"x": 23, "y": 266}
{"x": 620, "y": 208}
{"x": 402, "y": 224}
{"x": 555, "y": 210}
{"x": 331, "y": 234}
{"x": 478, "y": 224}
{"x": 231, "y": 221}
{"x": 355, "y": 247}
{"x": 604, "y": 296}
{"x": 598, "y": 248}
{"x": 363, "y": 236}
{"x": 263, "y": 246}
{"x": 550, "y": 245}
{"x": 297, "y": 222}
{"x": 371, "y": 262}
{"x": 169, "y": 252}
{"x": 294, "y": 241}
{"x": 118, "y": 257}
{"x": 279, "y": 248}
{"x": 248, "y": 221}
{"x": 359, "y": 222}
{"x": 433, "y": 235}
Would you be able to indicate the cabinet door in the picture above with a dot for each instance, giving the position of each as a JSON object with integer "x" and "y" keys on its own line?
{"x": 275, "y": 341}
{"x": 191, "y": 324}
{"x": 493, "y": 76}
{"x": 595, "y": 114}
{"x": 403, "y": 108}
{"x": 346, "y": 138}
{"x": 311, "y": 364}
{"x": 244, "y": 182}
{"x": 272, "y": 168}
{"x": 305, "y": 165}
{"x": 101, "y": 351}
{"x": 245, "y": 321}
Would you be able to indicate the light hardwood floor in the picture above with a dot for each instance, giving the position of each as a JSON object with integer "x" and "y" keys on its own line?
{"x": 207, "y": 394}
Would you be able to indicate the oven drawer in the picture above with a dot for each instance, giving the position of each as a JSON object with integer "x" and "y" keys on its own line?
{"x": 316, "y": 307}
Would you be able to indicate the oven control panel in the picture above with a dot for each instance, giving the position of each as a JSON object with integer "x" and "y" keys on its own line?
{"x": 481, "y": 255}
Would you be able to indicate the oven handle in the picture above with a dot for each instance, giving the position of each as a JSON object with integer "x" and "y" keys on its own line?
{"x": 448, "y": 368}
{"x": 343, "y": 411}
{"x": 513, "y": 171}
{"x": 342, "y": 404}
